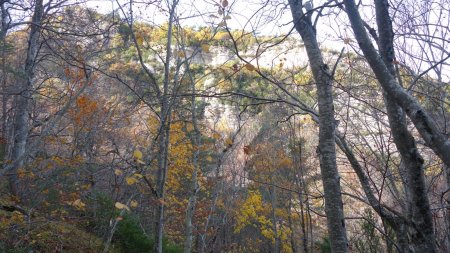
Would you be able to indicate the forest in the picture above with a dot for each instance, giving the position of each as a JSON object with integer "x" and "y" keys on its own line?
{"x": 272, "y": 126}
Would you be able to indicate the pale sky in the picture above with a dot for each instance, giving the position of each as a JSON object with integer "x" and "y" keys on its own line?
{"x": 265, "y": 17}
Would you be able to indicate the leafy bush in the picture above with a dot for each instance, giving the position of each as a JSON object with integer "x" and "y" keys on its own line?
{"x": 131, "y": 238}
{"x": 324, "y": 245}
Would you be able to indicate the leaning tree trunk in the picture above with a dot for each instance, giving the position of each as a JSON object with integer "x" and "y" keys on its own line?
{"x": 23, "y": 100}
{"x": 425, "y": 125}
{"x": 421, "y": 231}
{"x": 326, "y": 149}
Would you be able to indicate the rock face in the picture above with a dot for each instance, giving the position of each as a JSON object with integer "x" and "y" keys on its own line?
{"x": 289, "y": 55}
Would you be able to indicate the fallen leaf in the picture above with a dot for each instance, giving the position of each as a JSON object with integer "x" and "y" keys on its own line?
{"x": 121, "y": 206}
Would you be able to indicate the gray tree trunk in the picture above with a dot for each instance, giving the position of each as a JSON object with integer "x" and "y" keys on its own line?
{"x": 164, "y": 137}
{"x": 194, "y": 187}
{"x": 3, "y": 30}
{"x": 422, "y": 231}
{"x": 326, "y": 149}
{"x": 426, "y": 126}
{"x": 22, "y": 102}
{"x": 273, "y": 197}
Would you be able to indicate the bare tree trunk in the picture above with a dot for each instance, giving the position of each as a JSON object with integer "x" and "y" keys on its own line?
{"x": 3, "y": 30}
{"x": 291, "y": 225}
{"x": 326, "y": 149}
{"x": 273, "y": 196}
{"x": 194, "y": 188}
{"x": 426, "y": 126}
{"x": 162, "y": 174}
{"x": 215, "y": 196}
{"x": 22, "y": 109}
{"x": 302, "y": 190}
{"x": 422, "y": 237}
{"x": 164, "y": 136}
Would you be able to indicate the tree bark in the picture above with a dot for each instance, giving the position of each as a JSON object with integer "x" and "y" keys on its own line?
{"x": 23, "y": 100}
{"x": 422, "y": 231}
{"x": 326, "y": 149}
{"x": 194, "y": 187}
{"x": 164, "y": 137}
{"x": 426, "y": 126}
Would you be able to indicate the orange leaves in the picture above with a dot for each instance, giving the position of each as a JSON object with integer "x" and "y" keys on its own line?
{"x": 86, "y": 103}
{"x": 85, "y": 112}
{"x": 77, "y": 76}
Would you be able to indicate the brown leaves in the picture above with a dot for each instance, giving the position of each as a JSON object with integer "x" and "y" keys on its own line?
{"x": 247, "y": 150}
{"x": 250, "y": 67}
{"x": 205, "y": 48}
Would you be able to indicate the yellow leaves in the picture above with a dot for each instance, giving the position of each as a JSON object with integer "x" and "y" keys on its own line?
{"x": 137, "y": 154}
{"x": 229, "y": 142}
{"x": 86, "y": 186}
{"x": 250, "y": 67}
{"x": 216, "y": 136}
{"x": 305, "y": 119}
{"x": 303, "y": 78}
{"x": 133, "y": 178}
{"x": 221, "y": 35}
{"x": 251, "y": 212}
{"x": 205, "y": 48}
{"x": 181, "y": 54}
{"x": 139, "y": 38}
{"x": 78, "y": 204}
{"x": 17, "y": 217}
{"x": 267, "y": 233}
{"x": 118, "y": 172}
{"x": 189, "y": 127}
{"x": 134, "y": 204}
{"x": 121, "y": 206}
